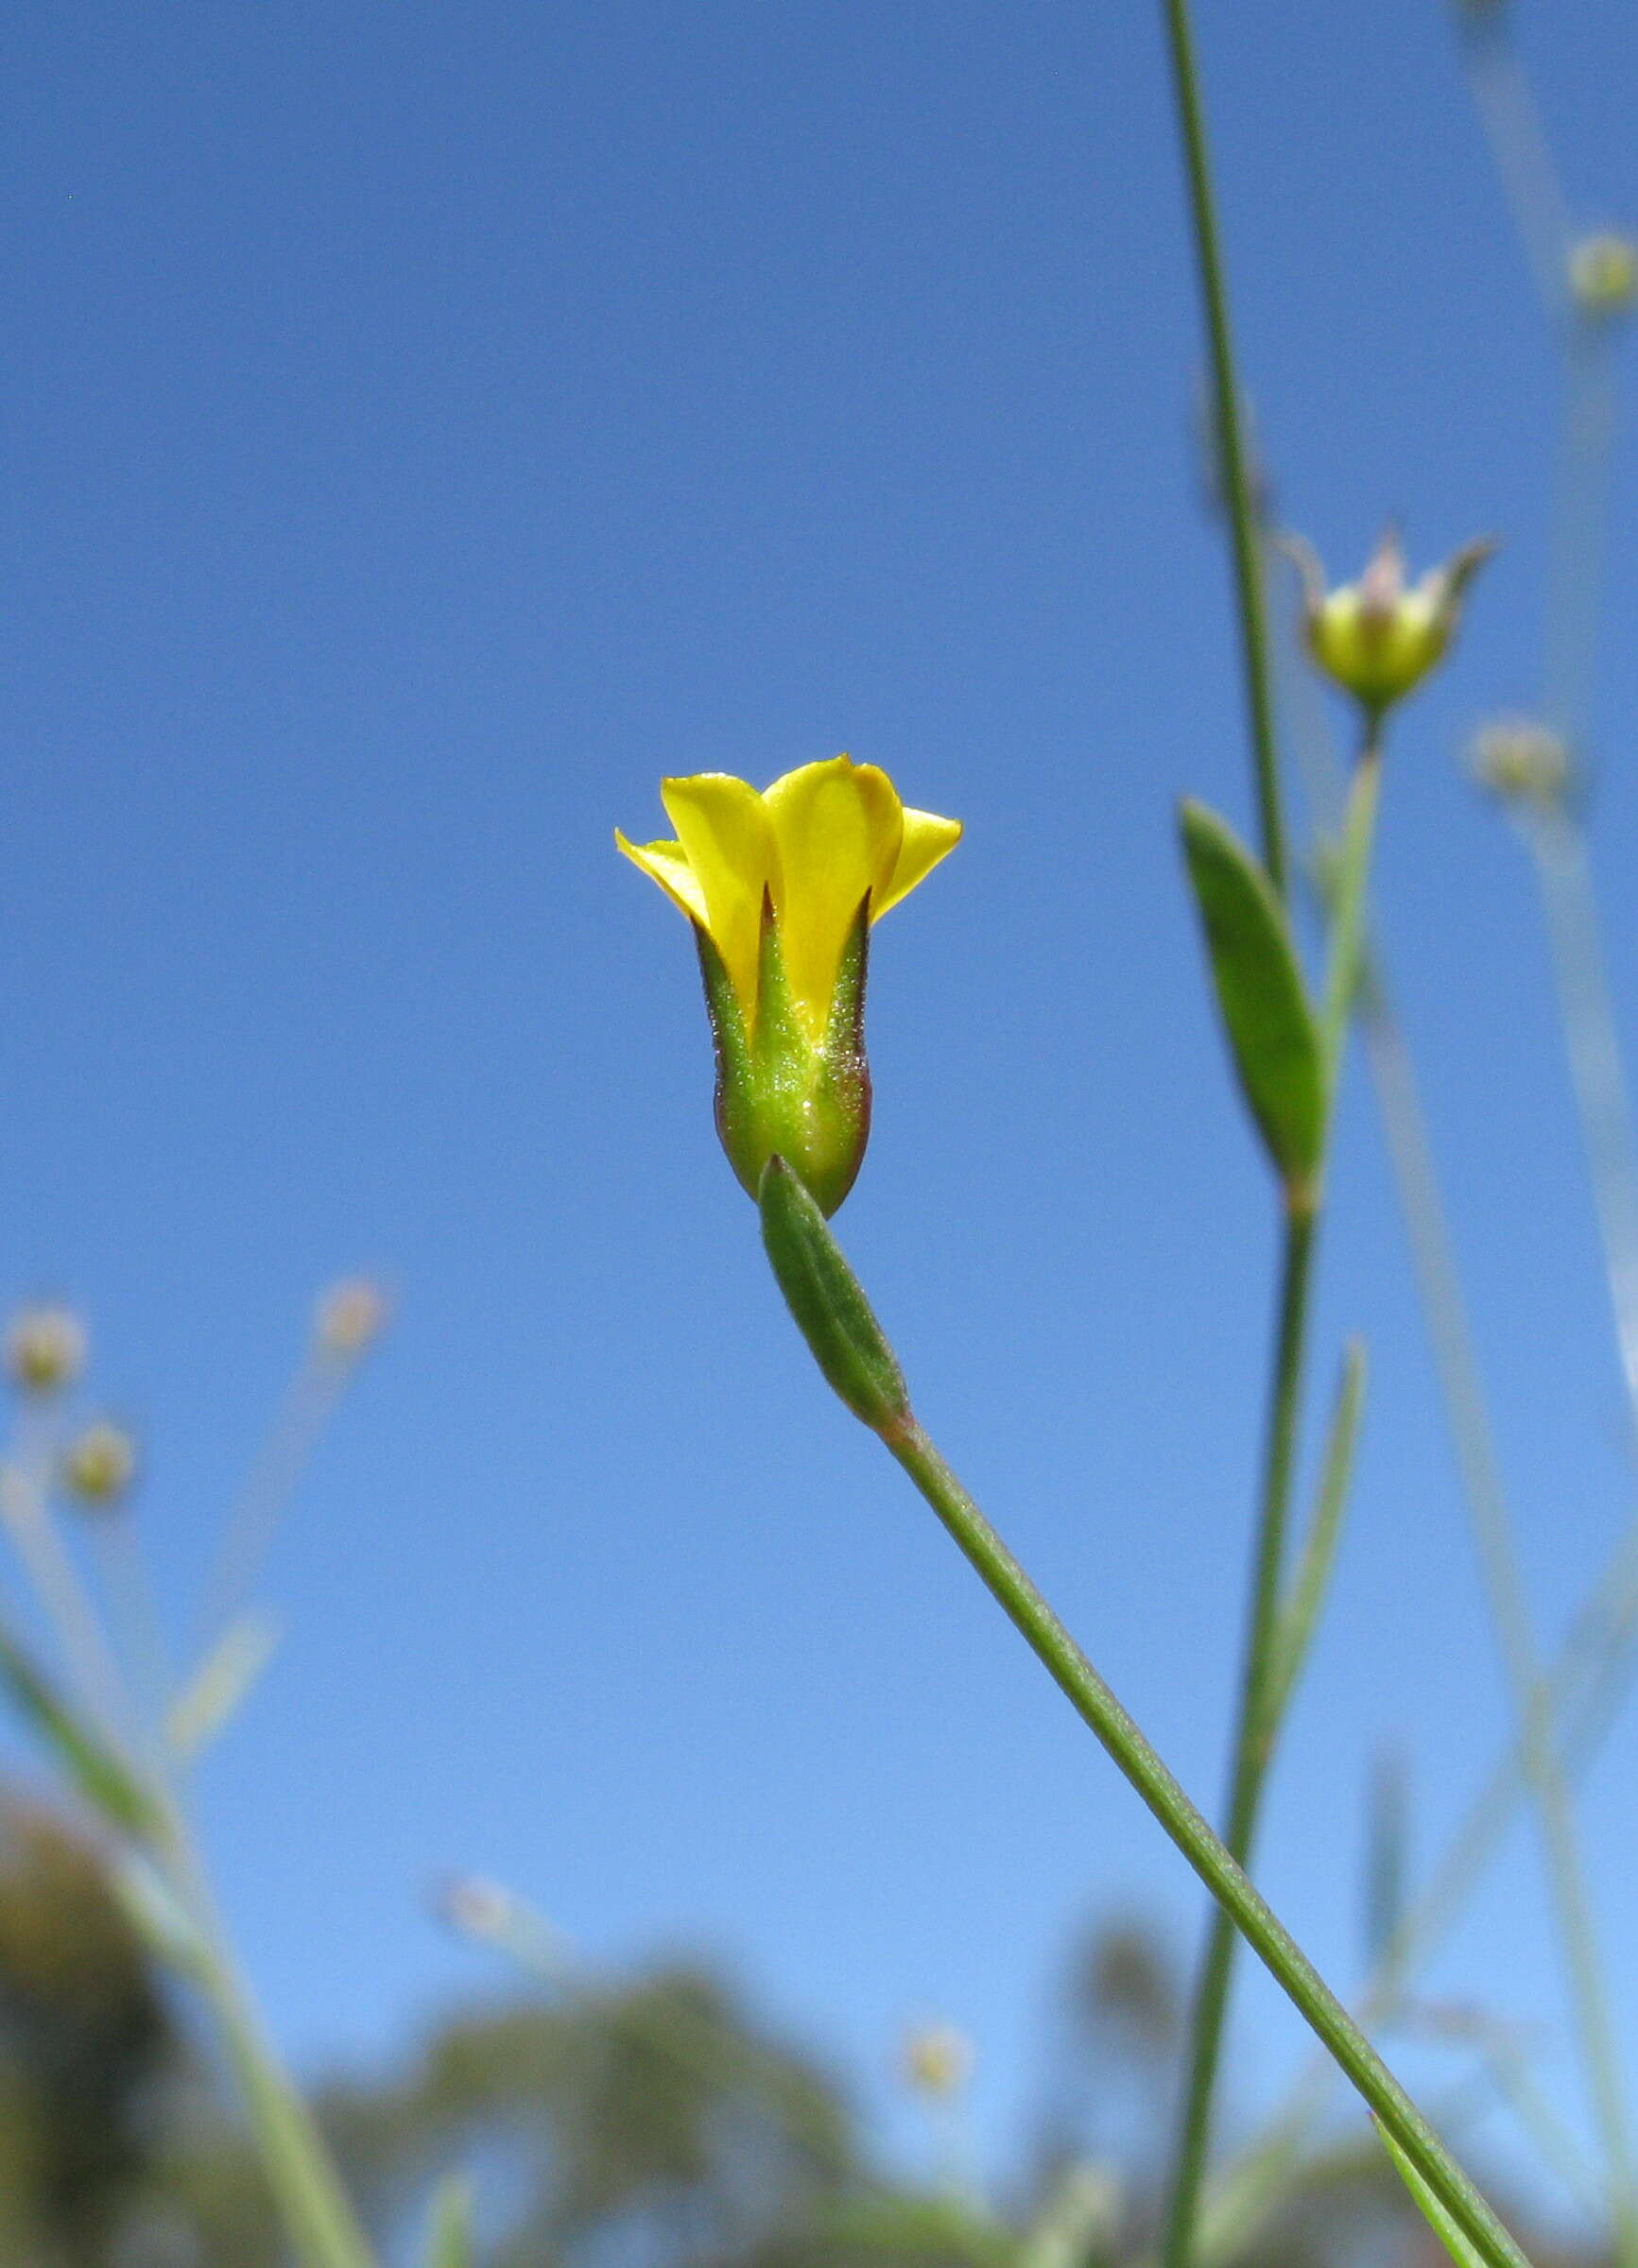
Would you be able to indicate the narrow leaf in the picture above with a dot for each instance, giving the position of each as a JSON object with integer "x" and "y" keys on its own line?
{"x": 449, "y": 2237}
{"x": 825, "y": 1298}
{"x": 1301, "y": 1615}
{"x": 100, "y": 1774}
{"x": 221, "y": 1684}
{"x": 1462, "y": 2248}
{"x": 1273, "y": 1035}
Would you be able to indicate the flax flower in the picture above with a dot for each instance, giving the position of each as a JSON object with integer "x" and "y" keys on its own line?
{"x": 1380, "y": 636}
{"x": 782, "y": 888}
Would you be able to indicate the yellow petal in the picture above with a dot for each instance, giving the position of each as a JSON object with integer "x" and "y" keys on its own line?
{"x": 729, "y": 843}
{"x": 838, "y": 826}
{"x": 926, "y": 840}
{"x": 665, "y": 863}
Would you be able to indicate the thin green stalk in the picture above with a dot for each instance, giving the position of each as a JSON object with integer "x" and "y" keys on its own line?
{"x": 301, "y": 2173}
{"x": 1563, "y": 871}
{"x": 1257, "y": 1723}
{"x": 1529, "y": 179}
{"x": 1255, "y": 1732}
{"x": 1231, "y": 443}
{"x": 1188, "y": 1829}
{"x": 829, "y": 1307}
{"x": 1352, "y": 894}
{"x": 1580, "y": 508}
{"x": 1592, "y": 1670}
{"x": 1498, "y": 1558}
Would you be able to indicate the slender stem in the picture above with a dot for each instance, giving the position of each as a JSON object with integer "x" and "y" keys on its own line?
{"x": 317, "y": 2212}
{"x": 1097, "y": 1705}
{"x": 1591, "y": 1669}
{"x": 1348, "y": 908}
{"x": 1499, "y": 1566}
{"x": 1564, "y": 874}
{"x": 1529, "y": 179}
{"x": 1257, "y": 1724}
{"x": 1231, "y": 443}
{"x": 1256, "y": 1731}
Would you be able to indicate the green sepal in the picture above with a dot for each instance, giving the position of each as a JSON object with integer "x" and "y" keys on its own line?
{"x": 825, "y": 1298}
{"x": 777, "y": 1092}
{"x": 1273, "y": 1034}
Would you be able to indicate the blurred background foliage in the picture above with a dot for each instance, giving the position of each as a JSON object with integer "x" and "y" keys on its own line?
{"x": 650, "y": 2121}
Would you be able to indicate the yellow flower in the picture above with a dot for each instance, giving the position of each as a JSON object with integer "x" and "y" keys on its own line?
{"x": 782, "y": 887}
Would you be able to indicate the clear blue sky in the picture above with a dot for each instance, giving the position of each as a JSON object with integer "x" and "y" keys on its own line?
{"x": 429, "y": 424}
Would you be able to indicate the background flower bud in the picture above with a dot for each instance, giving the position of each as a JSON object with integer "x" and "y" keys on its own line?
{"x": 1604, "y": 275}
{"x": 350, "y": 1316}
{"x": 1520, "y": 761}
{"x": 99, "y": 1465}
{"x": 46, "y": 1350}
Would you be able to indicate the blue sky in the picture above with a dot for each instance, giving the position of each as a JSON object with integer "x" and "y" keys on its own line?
{"x": 429, "y": 425}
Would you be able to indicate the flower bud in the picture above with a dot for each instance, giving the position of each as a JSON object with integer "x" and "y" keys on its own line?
{"x": 938, "y": 2059}
{"x": 46, "y": 1350}
{"x": 99, "y": 1465}
{"x": 1378, "y": 638}
{"x": 1604, "y": 275}
{"x": 1521, "y": 763}
{"x": 350, "y": 1316}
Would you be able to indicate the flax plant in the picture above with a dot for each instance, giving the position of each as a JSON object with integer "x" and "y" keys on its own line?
{"x": 789, "y": 880}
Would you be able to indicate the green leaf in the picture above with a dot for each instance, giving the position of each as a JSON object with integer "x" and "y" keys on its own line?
{"x": 1462, "y": 2248}
{"x": 1272, "y": 1032}
{"x": 449, "y": 2237}
{"x": 1299, "y": 1616}
{"x": 824, "y": 1295}
{"x": 100, "y": 1774}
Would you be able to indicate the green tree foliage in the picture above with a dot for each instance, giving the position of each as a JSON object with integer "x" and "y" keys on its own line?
{"x": 648, "y": 2121}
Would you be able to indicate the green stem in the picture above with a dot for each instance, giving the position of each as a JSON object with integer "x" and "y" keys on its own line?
{"x": 1531, "y": 1688}
{"x": 1348, "y": 906}
{"x": 1255, "y": 1733}
{"x": 315, "y": 2207}
{"x": 1097, "y": 1705}
{"x": 1231, "y": 445}
{"x": 1257, "y": 1726}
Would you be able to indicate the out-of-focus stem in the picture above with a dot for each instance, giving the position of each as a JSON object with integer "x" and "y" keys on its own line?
{"x": 315, "y": 2207}
{"x": 312, "y": 1395}
{"x": 1458, "y": 1369}
{"x": 1559, "y": 846}
{"x": 1529, "y": 179}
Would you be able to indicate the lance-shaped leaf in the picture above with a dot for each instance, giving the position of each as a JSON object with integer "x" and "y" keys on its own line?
{"x": 825, "y": 1298}
{"x": 91, "y": 1763}
{"x": 1272, "y": 1032}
